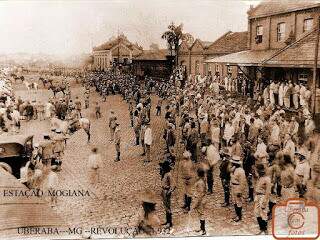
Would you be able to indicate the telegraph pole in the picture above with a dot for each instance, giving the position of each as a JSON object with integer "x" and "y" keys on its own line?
{"x": 315, "y": 71}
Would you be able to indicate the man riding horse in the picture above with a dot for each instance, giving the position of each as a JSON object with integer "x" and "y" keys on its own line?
{"x": 45, "y": 81}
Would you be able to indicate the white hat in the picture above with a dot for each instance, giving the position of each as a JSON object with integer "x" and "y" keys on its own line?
{"x": 186, "y": 154}
{"x": 203, "y": 149}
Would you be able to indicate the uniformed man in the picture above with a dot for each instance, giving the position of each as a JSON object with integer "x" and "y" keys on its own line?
{"x": 261, "y": 200}
{"x": 199, "y": 194}
{"x": 46, "y": 150}
{"x": 187, "y": 173}
{"x": 225, "y": 176}
{"x": 167, "y": 189}
{"x": 117, "y": 141}
{"x": 112, "y": 124}
{"x": 238, "y": 179}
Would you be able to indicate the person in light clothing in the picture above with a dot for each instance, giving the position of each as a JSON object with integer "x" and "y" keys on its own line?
{"x": 261, "y": 200}
{"x": 302, "y": 173}
{"x": 148, "y": 141}
{"x": 94, "y": 166}
{"x": 238, "y": 184}
{"x": 52, "y": 184}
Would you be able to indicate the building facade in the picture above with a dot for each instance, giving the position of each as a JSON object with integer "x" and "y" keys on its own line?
{"x": 119, "y": 50}
{"x": 194, "y": 57}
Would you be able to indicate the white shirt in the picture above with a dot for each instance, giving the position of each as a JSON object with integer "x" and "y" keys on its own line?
{"x": 213, "y": 155}
{"x": 53, "y": 180}
{"x": 148, "y": 136}
{"x": 94, "y": 161}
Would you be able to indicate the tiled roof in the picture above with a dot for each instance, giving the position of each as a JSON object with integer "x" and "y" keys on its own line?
{"x": 160, "y": 54}
{"x": 299, "y": 54}
{"x": 228, "y": 43}
{"x": 272, "y": 7}
{"x": 111, "y": 43}
{"x": 244, "y": 58}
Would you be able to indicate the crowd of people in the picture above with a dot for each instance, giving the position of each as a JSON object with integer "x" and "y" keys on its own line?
{"x": 260, "y": 151}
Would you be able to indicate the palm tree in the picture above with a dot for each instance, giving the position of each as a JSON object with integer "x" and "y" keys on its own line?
{"x": 173, "y": 36}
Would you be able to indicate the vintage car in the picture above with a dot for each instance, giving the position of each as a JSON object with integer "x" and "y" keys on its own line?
{"x": 15, "y": 152}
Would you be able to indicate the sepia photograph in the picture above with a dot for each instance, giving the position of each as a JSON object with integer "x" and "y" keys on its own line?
{"x": 159, "y": 119}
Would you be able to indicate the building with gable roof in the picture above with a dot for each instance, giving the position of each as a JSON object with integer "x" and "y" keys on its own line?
{"x": 118, "y": 50}
{"x": 194, "y": 56}
{"x": 282, "y": 39}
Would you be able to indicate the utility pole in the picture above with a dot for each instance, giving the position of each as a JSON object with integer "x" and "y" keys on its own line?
{"x": 315, "y": 71}
{"x": 118, "y": 47}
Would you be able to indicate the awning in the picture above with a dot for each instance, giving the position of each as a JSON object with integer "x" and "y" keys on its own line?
{"x": 244, "y": 58}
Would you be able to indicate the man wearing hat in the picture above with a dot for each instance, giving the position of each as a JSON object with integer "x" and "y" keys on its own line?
{"x": 302, "y": 173}
{"x": 187, "y": 173}
{"x": 261, "y": 201}
{"x": 167, "y": 189}
{"x": 117, "y": 140}
{"x": 225, "y": 175}
{"x": 198, "y": 196}
{"x": 237, "y": 179}
{"x": 150, "y": 221}
{"x": 112, "y": 124}
{"x": 46, "y": 149}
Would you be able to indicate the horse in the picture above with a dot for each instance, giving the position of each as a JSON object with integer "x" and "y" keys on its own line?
{"x": 72, "y": 126}
{"x": 56, "y": 89}
{"x": 45, "y": 81}
{"x": 15, "y": 77}
{"x": 31, "y": 85}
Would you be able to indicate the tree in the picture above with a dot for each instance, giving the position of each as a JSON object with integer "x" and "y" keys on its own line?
{"x": 173, "y": 36}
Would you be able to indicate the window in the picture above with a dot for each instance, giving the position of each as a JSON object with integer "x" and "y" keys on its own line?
{"x": 229, "y": 69}
{"x": 307, "y": 24}
{"x": 197, "y": 67}
{"x": 281, "y": 30}
{"x": 217, "y": 68}
{"x": 259, "y": 33}
{"x": 303, "y": 77}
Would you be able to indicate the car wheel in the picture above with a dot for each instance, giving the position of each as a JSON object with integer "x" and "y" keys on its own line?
{"x": 6, "y": 167}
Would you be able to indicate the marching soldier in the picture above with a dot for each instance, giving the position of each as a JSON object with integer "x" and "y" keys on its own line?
{"x": 167, "y": 189}
{"x": 117, "y": 141}
{"x": 187, "y": 169}
{"x": 238, "y": 179}
{"x": 261, "y": 200}
{"x": 199, "y": 205}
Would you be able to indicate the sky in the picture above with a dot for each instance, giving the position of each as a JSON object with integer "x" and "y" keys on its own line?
{"x": 74, "y": 27}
